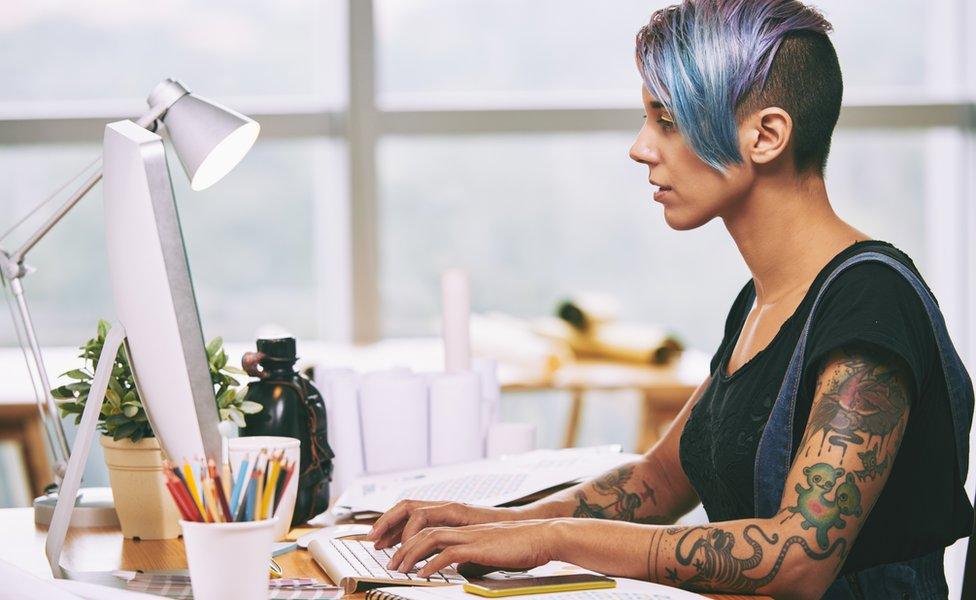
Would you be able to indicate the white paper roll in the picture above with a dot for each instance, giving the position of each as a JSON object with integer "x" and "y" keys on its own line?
{"x": 510, "y": 438}
{"x": 394, "y": 423}
{"x": 456, "y": 307}
{"x": 491, "y": 391}
{"x": 345, "y": 429}
{"x": 455, "y": 418}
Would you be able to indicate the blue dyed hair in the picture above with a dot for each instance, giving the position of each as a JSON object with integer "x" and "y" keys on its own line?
{"x": 701, "y": 59}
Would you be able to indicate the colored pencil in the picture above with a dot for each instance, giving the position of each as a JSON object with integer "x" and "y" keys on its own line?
{"x": 280, "y": 488}
{"x": 251, "y": 492}
{"x": 274, "y": 466}
{"x": 191, "y": 486}
{"x": 292, "y": 466}
{"x": 173, "y": 485}
{"x": 235, "y": 495}
{"x": 211, "y": 489}
{"x": 219, "y": 486}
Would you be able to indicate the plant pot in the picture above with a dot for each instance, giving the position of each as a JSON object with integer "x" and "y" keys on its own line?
{"x": 145, "y": 508}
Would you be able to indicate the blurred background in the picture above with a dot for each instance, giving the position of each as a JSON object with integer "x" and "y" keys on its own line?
{"x": 401, "y": 137}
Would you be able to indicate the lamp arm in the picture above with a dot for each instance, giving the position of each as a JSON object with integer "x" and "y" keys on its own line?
{"x": 14, "y": 263}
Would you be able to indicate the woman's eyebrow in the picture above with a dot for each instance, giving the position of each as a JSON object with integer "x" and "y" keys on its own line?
{"x": 657, "y": 105}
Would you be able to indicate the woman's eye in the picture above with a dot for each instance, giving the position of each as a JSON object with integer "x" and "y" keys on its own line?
{"x": 666, "y": 124}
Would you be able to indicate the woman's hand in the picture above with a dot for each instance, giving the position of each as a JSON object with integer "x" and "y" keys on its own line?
{"x": 409, "y": 517}
{"x": 507, "y": 545}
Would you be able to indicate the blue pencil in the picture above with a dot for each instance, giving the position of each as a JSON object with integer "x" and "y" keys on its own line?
{"x": 251, "y": 492}
{"x": 238, "y": 485}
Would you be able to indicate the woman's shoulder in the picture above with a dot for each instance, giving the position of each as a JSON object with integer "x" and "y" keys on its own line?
{"x": 873, "y": 303}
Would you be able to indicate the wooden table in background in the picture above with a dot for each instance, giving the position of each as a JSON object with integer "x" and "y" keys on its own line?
{"x": 104, "y": 549}
{"x": 664, "y": 390}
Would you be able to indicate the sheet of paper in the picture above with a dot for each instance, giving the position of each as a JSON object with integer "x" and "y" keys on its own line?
{"x": 486, "y": 482}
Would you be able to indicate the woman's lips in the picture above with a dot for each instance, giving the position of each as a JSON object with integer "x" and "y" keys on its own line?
{"x": 662, "y": 193}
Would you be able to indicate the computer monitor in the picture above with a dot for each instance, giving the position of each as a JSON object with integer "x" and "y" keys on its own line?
{"x": 153, "y": 293}
{"x": 156, "y": 313}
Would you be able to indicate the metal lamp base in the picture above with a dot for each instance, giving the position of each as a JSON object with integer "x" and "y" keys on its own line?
{"x": 94, "y": 507}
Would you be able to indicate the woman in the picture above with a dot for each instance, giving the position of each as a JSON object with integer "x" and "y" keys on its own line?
{"x": 844, "y": 481}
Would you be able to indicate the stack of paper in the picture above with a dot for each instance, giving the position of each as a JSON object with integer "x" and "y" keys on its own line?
{"x": 490, "y": 482}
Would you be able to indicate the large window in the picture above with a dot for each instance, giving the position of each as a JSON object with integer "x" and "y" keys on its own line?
{"x": 403, "y": 136}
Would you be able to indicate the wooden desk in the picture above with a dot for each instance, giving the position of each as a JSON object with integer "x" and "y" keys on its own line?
{"x": 664, "y": 391}
{"x": 104, "y": 549}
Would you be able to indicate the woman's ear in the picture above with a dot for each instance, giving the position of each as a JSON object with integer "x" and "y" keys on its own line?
{"x": 768, "y": 134}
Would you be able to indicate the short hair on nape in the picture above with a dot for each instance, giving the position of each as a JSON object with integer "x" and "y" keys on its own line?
{"x": 804, "y": 80}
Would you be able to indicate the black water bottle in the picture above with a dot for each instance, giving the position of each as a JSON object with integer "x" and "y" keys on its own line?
{"x": 292, "y": 407}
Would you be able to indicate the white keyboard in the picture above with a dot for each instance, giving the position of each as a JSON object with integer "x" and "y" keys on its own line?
{"x": 353, "y": 562}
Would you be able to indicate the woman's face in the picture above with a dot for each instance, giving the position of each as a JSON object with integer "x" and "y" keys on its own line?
{"x": 691, "y": 192}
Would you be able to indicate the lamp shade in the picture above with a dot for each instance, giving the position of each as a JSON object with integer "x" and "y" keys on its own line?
{"x": 210, "y": 139}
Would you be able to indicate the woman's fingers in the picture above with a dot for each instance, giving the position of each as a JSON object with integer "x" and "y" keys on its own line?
{"x": 391, "y": 537}
{"x": 450, "y": 513}
{"x": 423, "y": 545}
{"x": 391, "y": 518}
{"x": 453, "y": 554}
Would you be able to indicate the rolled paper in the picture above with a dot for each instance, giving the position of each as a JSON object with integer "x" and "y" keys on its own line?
{"x": 456, "y": 307}
{"x": 394, "y": 423}
{"x": 510, "y": 438}
{"x": 455, "y": 418}
{"x": 346, "y": 438}
{"x": 491, "y": 392}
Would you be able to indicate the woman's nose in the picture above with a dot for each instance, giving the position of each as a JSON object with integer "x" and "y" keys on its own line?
{"x": 642, "y": 151}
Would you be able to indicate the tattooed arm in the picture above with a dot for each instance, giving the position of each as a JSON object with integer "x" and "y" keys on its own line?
{"x": 859, "y": 413}
{"x": 653, "y": 489}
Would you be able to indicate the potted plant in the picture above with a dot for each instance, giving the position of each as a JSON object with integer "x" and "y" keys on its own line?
{"x": 132, "y": 454}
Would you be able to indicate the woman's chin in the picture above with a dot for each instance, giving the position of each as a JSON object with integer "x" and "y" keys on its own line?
{"x": 682, "y": 221}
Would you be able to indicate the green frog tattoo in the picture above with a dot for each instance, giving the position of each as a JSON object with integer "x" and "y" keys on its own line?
{"x": 817, "y": 510}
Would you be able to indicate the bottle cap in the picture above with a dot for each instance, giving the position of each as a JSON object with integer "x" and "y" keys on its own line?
{"x": 278, "y": 349}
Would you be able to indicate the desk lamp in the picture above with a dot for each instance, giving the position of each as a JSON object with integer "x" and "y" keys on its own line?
{"x": 210, "y": 140}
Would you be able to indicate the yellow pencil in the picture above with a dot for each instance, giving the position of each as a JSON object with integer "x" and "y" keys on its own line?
{"x": 191, "y": 483}
{"x": 211, "y": 490}
{"x": 269, "y": 490}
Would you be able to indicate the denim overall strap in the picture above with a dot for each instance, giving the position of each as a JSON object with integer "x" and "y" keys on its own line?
{"x": 775, "y": 447}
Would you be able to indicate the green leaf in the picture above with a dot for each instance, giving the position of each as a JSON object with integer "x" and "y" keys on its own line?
{"x": 113, "y": 398}
{"x": 78, "y": 387}
{"x": 103, "y": 328}
{"x": 77, "y": 374}
{"x": 237, "y": 417}
{"x": 125, "y": 430}
{"x": 249, "y": 407}
{"x": 234, "y": 370}
{"x": 214, "y": 346}
{"x": 222, "y": 400}
{"x": 62, "y": 392}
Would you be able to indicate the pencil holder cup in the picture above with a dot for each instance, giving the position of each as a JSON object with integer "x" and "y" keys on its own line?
{"x": 246, "y": 448}
{"x": 229, "y": 560}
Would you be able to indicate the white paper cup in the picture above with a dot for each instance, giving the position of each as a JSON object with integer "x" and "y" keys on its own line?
{"x": 229, "y": 560}
{"x": 242, "y": 448}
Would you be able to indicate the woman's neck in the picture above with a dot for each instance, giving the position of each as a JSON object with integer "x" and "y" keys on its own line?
{"x": 787, "y": 232}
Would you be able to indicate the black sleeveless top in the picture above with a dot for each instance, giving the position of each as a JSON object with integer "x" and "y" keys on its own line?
{"x": 922, "y": 507}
